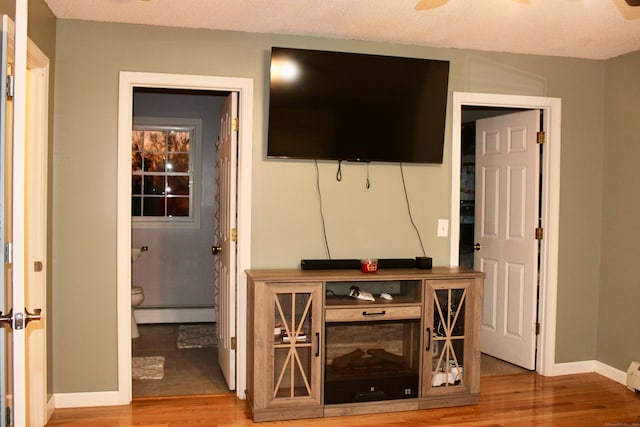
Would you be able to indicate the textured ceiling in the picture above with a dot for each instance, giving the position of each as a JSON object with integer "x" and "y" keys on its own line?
{"x": 594, "y": 29}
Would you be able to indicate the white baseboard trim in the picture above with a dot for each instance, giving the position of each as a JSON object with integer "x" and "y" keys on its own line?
{"x": 612, "y": 373}
{"x": 51, "y": 406}
{"x": 569, "y": 368}
{"x": 112, "y": 398}
{"x": 175, "y": 315}
{"x": 82, "y": 400}
{"x": 586, "y": 366}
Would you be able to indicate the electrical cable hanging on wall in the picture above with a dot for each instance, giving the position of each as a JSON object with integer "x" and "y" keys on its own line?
{"x": 406, "y": 197}
{"x": 367, "y": 185}
{"x": 367, "y": 182}
{"x": 324, "y": 229}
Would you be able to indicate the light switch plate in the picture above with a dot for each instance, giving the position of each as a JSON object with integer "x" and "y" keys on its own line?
{"x": 443, "y": 227}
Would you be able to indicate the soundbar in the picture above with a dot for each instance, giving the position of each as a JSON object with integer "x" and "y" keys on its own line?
{"x": 354, "y": 264}
{"x": 396, "y": 263}
{"x": 330, "y": 264}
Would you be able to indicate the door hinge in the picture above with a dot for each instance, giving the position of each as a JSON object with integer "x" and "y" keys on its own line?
{"x": 234, "y": 234}
{"x": 537, "y": 328}
{"x": 234, "y": 124}
{"x": 8, "y": 416}
{"x": 10, "y": 85}
{"x": 539, "y": 233}
{"x": 8, "y": 253}
{"x": 234, "y": 343}
{"x": 540, "y": 137}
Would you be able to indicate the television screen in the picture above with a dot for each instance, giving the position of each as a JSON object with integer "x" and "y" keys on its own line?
{"x": 356, "y": 107}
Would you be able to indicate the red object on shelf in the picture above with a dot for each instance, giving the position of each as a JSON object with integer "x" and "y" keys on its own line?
{"x": 369, "y": 265}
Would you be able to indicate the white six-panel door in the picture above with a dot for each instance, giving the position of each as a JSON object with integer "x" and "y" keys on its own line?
{"x": 226, "y": 274}
{"x": 507, "y": 183}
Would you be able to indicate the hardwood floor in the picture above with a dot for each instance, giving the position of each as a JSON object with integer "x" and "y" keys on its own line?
{"x": 510, "y": 400}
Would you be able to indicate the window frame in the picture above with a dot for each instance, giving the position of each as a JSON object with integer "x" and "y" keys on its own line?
{"x": 195, "y": 161}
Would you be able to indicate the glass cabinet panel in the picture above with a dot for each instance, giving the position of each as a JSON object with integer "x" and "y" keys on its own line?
{"x": 292, "y": 341}
{"x": 448, "y": 337}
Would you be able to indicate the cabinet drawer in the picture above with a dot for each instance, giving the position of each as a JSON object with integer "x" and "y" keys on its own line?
{"x": 372, "y": 313}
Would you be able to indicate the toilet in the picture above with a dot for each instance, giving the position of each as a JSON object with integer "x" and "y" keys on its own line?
{"x": 137, "y": 296}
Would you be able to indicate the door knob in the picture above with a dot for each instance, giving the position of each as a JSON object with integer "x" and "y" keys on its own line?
{"x": 23, "y": 320}
{"x": 216, "y": 250}
{"x": 20, "y": 320}
{"x": 476, "y": 246}
{"x": 7, "y": 319}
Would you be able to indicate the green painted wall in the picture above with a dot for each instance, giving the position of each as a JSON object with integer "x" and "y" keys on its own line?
{"x": 286, "y": 225}
{"x": 619, "y": 296}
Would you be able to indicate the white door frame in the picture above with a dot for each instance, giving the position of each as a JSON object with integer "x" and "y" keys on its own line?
{"x": 550, "y": 208}
{"x": 37, "y": 200}
{"x": 30, "y": 131}
{"x": 128, "y": 81}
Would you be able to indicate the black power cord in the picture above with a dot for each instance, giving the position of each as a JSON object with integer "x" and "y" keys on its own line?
{"x": 406, "y": 197}
{"x": 324, "y": 228}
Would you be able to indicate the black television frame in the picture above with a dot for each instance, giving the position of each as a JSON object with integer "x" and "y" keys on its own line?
{"x": 357, "y": 107}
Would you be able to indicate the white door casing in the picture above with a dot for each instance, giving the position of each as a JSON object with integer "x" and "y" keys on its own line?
{"x": 506, "y": 212}
{"x": 6, "y": 208}
{"x": 226, "y": 272}
{"x": 29, "y": 232}
{"x": 549, "y": 206}
{"x": 36, "y": 257}
{"x": 128, "y": 81}
{"x": 18, "y": 216}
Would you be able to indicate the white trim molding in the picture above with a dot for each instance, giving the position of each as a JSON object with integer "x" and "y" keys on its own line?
{"x": 175, "y": 315}
{"x": 83, "y": 400}
{"x": 550, "y": 205}
{"x": 129, "y": 81}
{"x": 51, "y": 406}
{"x": 587, "y": 366}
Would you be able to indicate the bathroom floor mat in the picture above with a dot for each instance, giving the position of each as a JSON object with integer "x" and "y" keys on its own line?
{"x": 197, "y": 336}
{"x": 147, "y": 368}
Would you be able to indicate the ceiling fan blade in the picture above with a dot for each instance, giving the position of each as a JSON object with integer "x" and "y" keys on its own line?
{"x": 430, "y": 4}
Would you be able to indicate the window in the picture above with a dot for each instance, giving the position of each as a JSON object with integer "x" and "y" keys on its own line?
{"x": 163, "y": 160}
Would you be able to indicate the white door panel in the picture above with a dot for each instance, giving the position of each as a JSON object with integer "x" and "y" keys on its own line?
{"x": 490, "y": 292}
{"x": 24, "y": 130}
{"x": 507, "y": 181}
{"x": 6, "y": 209}
{"x": 226, "y": 270}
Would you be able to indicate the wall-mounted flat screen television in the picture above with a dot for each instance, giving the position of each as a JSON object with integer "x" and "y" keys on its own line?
{"x": 356, "y": 107}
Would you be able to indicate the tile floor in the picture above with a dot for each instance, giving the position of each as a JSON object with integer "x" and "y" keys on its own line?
{"x": 187, "y": 371}
{"x": 490, "y": 366}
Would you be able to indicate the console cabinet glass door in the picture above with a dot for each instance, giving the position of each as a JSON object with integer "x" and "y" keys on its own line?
{"x": 449, "y": 363}
{"x": 296, "y": 325}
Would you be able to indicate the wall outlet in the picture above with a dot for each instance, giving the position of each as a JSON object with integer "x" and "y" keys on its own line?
{"x": 443, "y": 227}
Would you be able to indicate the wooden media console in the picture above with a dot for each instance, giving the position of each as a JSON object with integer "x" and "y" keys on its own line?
{"x": 315, "y": 350}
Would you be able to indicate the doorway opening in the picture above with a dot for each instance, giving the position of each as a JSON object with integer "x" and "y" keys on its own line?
{"x": 549, "y": 205}
{"x": 499, "y": 205}
{"x": 160, "y": 311}
{"x": 174, "y": 226}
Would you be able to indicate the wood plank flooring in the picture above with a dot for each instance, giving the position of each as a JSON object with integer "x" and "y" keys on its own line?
{"x": 511, "y": 400}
